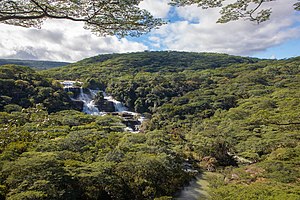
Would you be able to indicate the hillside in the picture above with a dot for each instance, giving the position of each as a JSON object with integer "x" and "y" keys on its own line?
{"x": 237, "y": 117}
{"x": 21, "y": 87}
{"x": 111, "y": 65}
{"x": 36, "y": 64}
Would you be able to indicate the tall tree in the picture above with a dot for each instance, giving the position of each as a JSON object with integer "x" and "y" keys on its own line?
{"x": 103, "y": 17}
{"x": 253, "y": 10}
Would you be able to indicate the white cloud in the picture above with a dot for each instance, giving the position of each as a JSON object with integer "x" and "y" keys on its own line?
{"x": 190, "y": 29}
{"x": 198, "y": 31}
{"x": 59, "y": 40}
{"x": 158, "y": 8}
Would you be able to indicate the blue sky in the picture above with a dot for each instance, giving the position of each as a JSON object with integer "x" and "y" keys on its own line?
{"x": 290, "y": 48}
{"x": 287, "y": 49}
{"x": 189, "y": 29}
{"x": 276, "y": 38}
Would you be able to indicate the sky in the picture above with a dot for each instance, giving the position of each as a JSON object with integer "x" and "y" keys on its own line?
{"x": 188, "y": 29}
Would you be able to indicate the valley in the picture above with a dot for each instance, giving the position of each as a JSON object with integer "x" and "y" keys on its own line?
{"x": 145, "y": 125}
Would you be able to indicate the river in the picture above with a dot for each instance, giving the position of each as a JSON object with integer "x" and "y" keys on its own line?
{"x": 196, "y": 190}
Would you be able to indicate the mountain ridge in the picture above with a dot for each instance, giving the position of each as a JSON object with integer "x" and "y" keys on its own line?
{"x": 36, "y": 64}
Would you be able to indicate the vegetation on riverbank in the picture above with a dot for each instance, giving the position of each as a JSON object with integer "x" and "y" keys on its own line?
{"x": 204, "y": 109}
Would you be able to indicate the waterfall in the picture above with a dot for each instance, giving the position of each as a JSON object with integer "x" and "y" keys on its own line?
{"x": 118, "y": 105}
{"x": 132, "y": 119}
{"x": 89, "y": 106}
{"x": 94, "y": 92}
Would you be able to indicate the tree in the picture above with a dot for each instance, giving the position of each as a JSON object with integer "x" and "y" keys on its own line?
{"x": 247, "y": 9}
{"x": 104, "y": 17}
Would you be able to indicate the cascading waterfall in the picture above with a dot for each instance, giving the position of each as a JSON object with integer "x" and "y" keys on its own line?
{"x": 89, "y": 106}
{"x": 118, "y": 105}
{"x": 120, "y": 108}
{"x": 93, "y": 92}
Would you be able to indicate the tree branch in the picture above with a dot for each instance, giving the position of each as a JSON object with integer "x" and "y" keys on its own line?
{"x": 4, "y": 18}
{"x": 110, "y": 18}
{"x": 287, "y": 124}
{"x": 252, "y": 11}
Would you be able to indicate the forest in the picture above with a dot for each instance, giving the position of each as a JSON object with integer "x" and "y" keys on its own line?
{"x": 237, "y": 117}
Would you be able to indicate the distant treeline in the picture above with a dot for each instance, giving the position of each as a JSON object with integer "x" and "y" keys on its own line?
{"x": 36, "y": 64}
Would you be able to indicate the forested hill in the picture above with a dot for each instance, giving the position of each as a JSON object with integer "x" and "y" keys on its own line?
{"x": 169, "y": 60}
{"x": 238, "y": 117}
{"x": 36, "y": 64}
{"x": 131, "y": 63}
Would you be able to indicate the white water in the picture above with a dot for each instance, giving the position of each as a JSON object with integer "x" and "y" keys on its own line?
{"x": 90, "y": 108}
{"x": 70, "y": 84}
{"x": 118, "y": 105}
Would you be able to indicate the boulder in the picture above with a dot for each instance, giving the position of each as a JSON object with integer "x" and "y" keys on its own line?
{"x": 75, "y": 91}
{"x": 105, "y": 106}
{"x": 133, "y": 124}
{"x": 78, "y": 105}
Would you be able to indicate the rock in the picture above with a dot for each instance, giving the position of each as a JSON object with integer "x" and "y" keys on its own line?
{"x": 226, "y": 180}
{"x": 235, "y": 177}
{"x": 127, "y": 115}
{"x": 133, "y": 124}
{"x": 209, "y": 163}
{"x": 74, "y": 90}
{"x": 105, "y": 106}
{"x": 78, "y": 105}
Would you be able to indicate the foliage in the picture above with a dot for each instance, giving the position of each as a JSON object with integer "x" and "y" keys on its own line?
{"x": 22, "y": 87}
{"x": 151, "y": 74}
{"x": 102, "y": 17}
{"x": 261, "y": 191}
{"x": 71, "y": 155}
{"x": 252, "y": 10}
{"x": 238, "y": 116}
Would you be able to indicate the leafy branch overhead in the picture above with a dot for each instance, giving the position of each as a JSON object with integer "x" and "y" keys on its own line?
{"x": 253, "y": 10}
{"x": 121, "y": 17}
{"x": 104, "y": 17}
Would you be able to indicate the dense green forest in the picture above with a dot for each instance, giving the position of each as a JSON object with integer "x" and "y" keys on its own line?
{"x": 21, "y": 87}
{"x": 237, "y": 117}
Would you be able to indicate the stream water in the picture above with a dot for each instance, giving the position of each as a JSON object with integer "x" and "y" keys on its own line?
{"x": 196, "y": 190}
{"x": 89, "y": 106}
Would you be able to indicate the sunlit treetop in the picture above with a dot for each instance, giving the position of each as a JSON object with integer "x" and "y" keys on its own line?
{"x": 103, "y": 17}
{"x": 253, "y": 10}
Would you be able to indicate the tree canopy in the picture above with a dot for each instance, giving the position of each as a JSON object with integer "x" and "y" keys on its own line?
{"x": 105, "y": 17}
{"x": 253, "y": 10}
{"x": 117, "y": 17}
